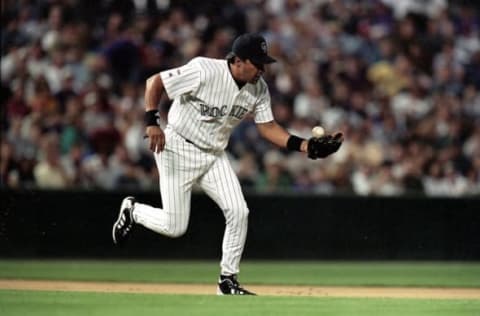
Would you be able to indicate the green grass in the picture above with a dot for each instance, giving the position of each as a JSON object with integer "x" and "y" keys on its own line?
{"x": 424, "y": 274}
{"x": 21, "y": 303}
{"x": 429, "y": 274}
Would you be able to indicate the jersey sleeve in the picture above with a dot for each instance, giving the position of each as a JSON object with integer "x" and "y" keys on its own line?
{"x": 181, "y": 80}
{"x": 263, "y": 108}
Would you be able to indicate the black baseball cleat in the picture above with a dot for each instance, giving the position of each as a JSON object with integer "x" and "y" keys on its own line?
{"x": 124, "y": 222}
{"x": 228, "y": 285}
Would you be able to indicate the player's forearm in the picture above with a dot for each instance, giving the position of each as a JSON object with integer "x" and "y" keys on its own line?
{"x": 273, "y": 133}
{"x": 278, "y": 135}
{"x": 153, "y": 92}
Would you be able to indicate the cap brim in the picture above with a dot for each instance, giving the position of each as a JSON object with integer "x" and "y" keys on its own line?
{"x": 264, "y": 60}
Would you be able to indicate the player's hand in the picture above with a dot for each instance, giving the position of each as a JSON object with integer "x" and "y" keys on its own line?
{"x": 156, "y": 138}
{"x": 321, "y": 147}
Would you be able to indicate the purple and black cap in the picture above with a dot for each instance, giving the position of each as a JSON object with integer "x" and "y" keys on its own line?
{"x": 253, "y": 47}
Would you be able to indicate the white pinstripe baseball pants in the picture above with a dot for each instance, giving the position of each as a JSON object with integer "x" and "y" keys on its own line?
{"x": 182, "y": 164}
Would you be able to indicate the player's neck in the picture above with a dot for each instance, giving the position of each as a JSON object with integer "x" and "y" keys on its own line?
{"x": 239, "y": 83}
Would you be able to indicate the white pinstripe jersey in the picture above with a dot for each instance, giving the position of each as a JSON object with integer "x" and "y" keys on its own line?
{"x": 208, "y": 103}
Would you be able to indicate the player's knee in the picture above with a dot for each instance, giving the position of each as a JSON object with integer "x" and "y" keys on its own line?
{"x": 177, "y": 231}
{"x": 241, "y": 214}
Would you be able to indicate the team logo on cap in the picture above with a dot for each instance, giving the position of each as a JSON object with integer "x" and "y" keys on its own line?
{"x": 263, "y": 46}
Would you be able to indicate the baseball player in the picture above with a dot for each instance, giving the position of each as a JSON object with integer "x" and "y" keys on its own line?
{"x": 210, "y": 97}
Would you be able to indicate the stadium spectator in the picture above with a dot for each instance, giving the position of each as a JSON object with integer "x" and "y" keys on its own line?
{"x": 401, "y": 79}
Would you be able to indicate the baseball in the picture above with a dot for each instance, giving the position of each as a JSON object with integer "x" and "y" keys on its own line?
{"x": 318, "y": 131}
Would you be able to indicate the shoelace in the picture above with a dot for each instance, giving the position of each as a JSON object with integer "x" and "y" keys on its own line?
{"x": 234, "y": 286}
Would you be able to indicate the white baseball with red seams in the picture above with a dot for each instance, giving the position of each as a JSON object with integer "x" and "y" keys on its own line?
{"x": 318, "y": 131}
{"x": 207, "y": 105}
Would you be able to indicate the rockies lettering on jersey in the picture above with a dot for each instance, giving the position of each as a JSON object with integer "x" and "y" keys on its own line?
{"x": 237, "y": 111}
{"x": 208, "y": 104}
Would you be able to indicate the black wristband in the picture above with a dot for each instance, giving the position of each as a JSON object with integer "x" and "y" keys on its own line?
{"x": 294, "y": 143}
{"x": 151, "y": 118}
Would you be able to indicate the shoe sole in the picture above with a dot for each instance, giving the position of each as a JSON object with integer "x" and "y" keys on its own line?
{"x": 220, "y": 293}
{"x": 122, "y": 207}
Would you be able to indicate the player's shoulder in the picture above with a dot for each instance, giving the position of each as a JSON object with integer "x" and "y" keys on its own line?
{"x": 261, "y": 87}
{"x": 207, "y": 62}
{"x": 210, "y": 67}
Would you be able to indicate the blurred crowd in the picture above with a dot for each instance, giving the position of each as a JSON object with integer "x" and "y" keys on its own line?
{"x": 400, "y": 79}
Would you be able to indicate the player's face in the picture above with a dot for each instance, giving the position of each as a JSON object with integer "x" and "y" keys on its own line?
{"x": 248, "y": 71}
{"x": 255, "y": 71}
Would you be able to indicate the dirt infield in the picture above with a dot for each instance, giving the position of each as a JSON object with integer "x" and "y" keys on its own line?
{"x": 267, "y": 290}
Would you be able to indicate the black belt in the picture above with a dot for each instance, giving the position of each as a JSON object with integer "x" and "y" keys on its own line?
{"x": 202, "y": 149}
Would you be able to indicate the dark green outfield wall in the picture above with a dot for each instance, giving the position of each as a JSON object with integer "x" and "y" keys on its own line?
{"x": 78, "y": 224}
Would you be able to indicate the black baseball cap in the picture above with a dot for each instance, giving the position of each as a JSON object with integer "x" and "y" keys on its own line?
{"x": 253, "y": 47}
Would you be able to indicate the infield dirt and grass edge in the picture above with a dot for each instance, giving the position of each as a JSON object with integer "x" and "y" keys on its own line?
{"x": 449, "y": 280}
{"x": 264, "y": 290}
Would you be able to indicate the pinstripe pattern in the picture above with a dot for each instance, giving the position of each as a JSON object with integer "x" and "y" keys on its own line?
{"x": 211, "y": 84}
{"x": 207, "y": 106}
{"x": 222, "y": 185}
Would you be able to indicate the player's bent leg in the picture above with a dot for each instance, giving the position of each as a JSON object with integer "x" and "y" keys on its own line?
{"x": 161, "y": 221}
{"x": 176, "y": 181}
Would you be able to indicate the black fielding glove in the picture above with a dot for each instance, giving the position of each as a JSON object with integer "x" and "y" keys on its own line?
{"x": 321, "y": 147}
